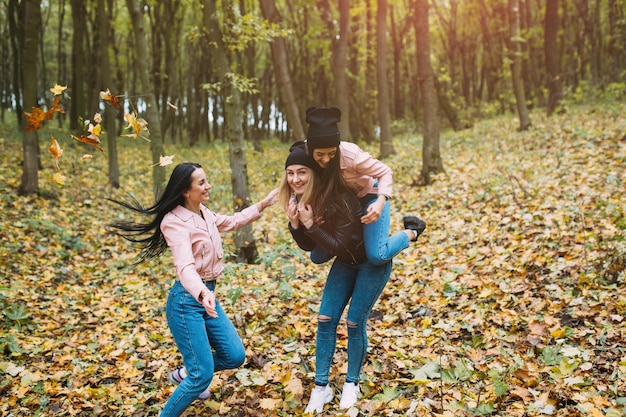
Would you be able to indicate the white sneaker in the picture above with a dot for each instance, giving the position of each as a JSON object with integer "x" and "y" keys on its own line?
{"x": 319, "y": 397}
{"x": 180, "y": 373}
{"x": 349, "y": 395}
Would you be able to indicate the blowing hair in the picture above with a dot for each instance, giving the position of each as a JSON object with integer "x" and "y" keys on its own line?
{"x": 148, "y": 234}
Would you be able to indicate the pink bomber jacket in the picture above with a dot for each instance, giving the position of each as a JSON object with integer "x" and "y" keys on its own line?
{"x": 196, "y": 244}
{"x": 359, "y": 170}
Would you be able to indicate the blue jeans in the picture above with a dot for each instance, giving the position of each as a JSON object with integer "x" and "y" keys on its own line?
{"x": 206, "y": 344}
{"x": 379, "y": 246}
{"x": 361, "y": 285}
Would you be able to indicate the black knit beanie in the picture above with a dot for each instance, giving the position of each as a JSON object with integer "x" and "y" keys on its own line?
{"x": 299, "y": 156}
{"x": 323, "y": 130}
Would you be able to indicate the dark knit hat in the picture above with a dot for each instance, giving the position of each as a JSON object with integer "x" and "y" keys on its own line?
{"x": 323, "y": 130}
{"x": 299, "y": 156}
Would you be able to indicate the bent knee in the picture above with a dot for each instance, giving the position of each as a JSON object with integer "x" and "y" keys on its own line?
{"x": 323, "y": 318}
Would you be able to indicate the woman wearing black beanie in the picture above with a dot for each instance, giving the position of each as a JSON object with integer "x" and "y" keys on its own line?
{"x": 369, "y": 178}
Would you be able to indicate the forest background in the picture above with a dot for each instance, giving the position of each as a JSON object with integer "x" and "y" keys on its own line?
{"x": 512, "y": 303}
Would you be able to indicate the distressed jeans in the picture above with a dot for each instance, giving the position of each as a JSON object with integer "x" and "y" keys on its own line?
{"x": 206, "y": 344}
{"x": 361, "y": 285}
{"x": 380, "y": 248}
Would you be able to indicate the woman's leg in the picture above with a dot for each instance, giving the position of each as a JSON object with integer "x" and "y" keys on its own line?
{"x": 370, "y": 282}
{"x": 337, "y": 291}
{"x": 379, "y": 246}
{"x": 186, "y": 320}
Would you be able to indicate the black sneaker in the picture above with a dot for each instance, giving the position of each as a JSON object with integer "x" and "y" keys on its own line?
{"x": 416, "y": 224}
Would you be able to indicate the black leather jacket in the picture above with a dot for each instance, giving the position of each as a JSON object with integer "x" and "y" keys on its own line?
{"x": 341, "y": 233}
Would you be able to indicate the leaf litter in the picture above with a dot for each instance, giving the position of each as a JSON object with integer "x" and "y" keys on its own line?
{"x": 512, "y": 303}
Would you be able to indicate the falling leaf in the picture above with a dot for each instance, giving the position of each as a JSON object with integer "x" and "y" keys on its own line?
{"x": 137, "y": 125}
{"x": 97, "y": 118}
{"x": 92, "y": 140}
{"x": 34, "y": 119}
{"x": 165, "y": 160}
{"x": 86, "y": 156}
{"x": 107, "y": 96}
{"x": 172, "y": 106}
{"x": 58, "y": 89}
{"x": 95, "y": 129}
{"x": 56, "y": 107}
{"x": 55, "y": 148}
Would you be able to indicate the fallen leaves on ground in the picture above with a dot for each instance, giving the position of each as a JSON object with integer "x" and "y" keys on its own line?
{"x": 512, "y": 302}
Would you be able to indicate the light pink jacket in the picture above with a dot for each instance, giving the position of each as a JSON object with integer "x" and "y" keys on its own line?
{"x": 359, "y": 170}
{"x": 196, "y": 244}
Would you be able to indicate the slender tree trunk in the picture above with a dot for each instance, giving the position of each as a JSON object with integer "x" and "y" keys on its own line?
{"x": 340, "y": 64}
{"x": 152, "y": 111}
{"x": 78, "y": 104}
{"x": 233, "y": 118}
{"x": 386, "y": 144}
{"x": 283, "y": 77}
{"x": 516, "y": 67}
{"x": 105, "y": 36}
{"x": 30, "y": 23}
{"x": 16, "y": 40}
{"x": 555, "y": 90}
{"x": 431, "y": 154}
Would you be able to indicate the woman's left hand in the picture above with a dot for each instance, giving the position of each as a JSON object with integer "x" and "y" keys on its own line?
{"x": 373, "y": 211}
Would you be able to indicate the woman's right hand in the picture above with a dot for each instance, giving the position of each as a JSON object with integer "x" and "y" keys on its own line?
{"x": 292, "y": 213}
{"x": 208, "y": 302}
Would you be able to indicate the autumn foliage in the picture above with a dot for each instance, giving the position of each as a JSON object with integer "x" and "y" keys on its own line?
{"x": 512, "y": 303}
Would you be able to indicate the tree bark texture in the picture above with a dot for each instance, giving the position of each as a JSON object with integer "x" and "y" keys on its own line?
{"x": 516, "y": 66}
{"x": 431, "y": 154}
{"x": 104, "y": 69}
{"x": 78, "y": 104}
{"x": 152, "y": 111}
{"x": 280, "y": 61}
{"x": 553, "y": 69}
{"x": 30, "y": 23}
{"x": 233, "y": 120}
{"x": 386, "y": 144}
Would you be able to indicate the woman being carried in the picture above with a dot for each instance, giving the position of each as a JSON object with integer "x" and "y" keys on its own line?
{"x": 370, "y": 179}
{"x": 328, "y": 219}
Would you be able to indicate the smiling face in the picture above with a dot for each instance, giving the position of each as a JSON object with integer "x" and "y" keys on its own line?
{"x": 323, "y": 156}
{"x": 198, "y": 191}
{"x": 298, "y": 177}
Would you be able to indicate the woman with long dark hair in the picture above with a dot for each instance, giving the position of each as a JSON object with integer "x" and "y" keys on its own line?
{"x": 367, "y": 177}
{"x": 204, "y": 335}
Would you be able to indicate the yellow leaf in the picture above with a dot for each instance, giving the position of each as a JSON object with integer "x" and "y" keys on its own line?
{"x": 59, "y": 178}
{"x": 270, "y": 403}
{"x": 165, "y": 160}
{"x": 58, "y": 89}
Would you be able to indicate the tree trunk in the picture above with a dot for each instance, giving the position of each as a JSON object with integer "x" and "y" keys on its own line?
{"x": 283, "y": 77}
{"x": 555, "y": 90}
{"x": 516, "y": 67}
{"x": 447, "y": 108}
{"x": 233, "y": 120}
{"x": 105, "y": 35}
{"x": 386, "y": 144}
{"x": 340, "y": 62}
{"x": 30, "y": 24}
{"x": 16, "y": 40}
{"x": 431, "y": 154}
{"x": 78, "y": 104}
{"x": 152, "y": 111}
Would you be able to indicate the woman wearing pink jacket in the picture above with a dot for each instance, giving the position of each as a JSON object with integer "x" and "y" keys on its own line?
{"x": 369, "y": 178}
{"x": 204, "y": 335}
